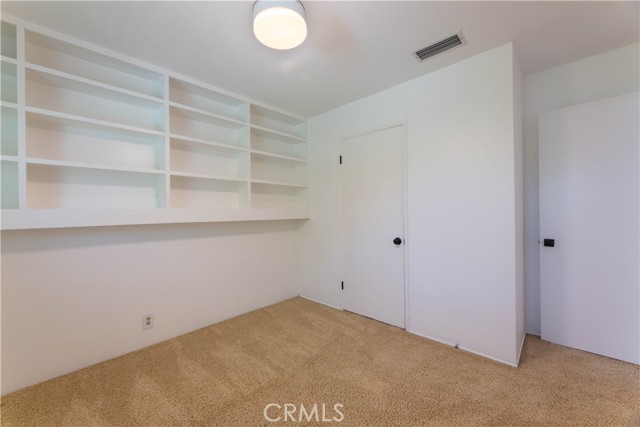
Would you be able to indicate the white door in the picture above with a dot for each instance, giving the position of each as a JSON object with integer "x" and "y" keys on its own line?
{"x": 372, "y": 178}
{"x": 589, "y": 206}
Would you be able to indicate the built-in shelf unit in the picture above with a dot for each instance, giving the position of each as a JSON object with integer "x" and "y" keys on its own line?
{"x": 90, "y": 137}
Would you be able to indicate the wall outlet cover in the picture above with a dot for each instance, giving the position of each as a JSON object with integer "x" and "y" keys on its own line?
{"x": 148, "y": 321}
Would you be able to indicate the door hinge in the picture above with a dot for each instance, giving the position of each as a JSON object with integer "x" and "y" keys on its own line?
{"x": 340, "y": 159}
{"x": 342, "y": 285}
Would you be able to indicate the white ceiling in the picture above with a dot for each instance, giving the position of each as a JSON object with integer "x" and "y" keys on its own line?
{"x": 353, "y": 49}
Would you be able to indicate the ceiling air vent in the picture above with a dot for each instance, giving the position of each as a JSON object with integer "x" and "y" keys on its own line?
{"x": 441, "y": 46}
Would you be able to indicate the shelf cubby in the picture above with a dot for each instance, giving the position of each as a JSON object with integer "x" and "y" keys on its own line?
{"x": 267, "y": 168}
{"x": 9, "y": 184}
{"x": 69, "y": 58}
{"x": 9, "y": 124}
{"x": 184, "y": 122}
{"x": 8, "y": 37}
{"x": 65, "y": 95}
{"x": 64, "y": 139}
{"x": 198, "y": 97}
{"x": 272, "y": 120}
{"x": 9, "y": 82}
{"x": 270, "y": 142}
{"x": 273, "y": 196}
{"x": 189, "y": 157}
{"x": 64, "y": 187}
{"x": 207, "y": 193}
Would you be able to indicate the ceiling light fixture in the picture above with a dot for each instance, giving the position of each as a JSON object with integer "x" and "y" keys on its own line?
{"x": 279, "y": 24}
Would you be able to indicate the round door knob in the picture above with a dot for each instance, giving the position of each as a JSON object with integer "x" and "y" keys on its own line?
{"x": 397, "y": 241}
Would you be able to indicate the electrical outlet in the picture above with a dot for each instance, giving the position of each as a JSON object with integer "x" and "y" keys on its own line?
{"x": 148, "y": 321}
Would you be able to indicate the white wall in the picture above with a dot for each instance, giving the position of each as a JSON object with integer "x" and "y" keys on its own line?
{"x": 612, "y": 73}
{"x": 461, "y": 233}
{"x": 75, "y": 297}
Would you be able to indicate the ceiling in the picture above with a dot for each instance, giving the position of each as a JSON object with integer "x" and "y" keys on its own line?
{"x": 353, "y": 49}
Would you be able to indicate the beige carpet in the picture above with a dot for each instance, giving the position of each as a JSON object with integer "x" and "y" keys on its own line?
{"x": 301, "y": 352}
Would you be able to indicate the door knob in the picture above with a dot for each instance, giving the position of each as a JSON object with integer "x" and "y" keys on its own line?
{"x": 397, "y": 241}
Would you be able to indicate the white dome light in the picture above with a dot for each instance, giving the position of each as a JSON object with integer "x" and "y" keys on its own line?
{"x": 279, "y": 24}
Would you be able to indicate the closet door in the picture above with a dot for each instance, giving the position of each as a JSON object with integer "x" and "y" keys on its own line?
{"x": 372, "y": 178}
{"x": 589, "y": 225}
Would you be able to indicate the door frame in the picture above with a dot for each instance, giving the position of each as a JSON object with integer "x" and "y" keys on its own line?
{"x": 405, "y": 216}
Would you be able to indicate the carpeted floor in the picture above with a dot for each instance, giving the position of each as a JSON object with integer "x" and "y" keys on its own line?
{"x": 299, "y": 352}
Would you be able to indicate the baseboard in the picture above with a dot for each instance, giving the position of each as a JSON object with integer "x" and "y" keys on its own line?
{"x": 504, "y": 362}
{"x": 437, "y": 340}
{"x": 320, "y": 302}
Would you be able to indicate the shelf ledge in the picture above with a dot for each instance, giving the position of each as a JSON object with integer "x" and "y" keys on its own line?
{"x": 206, "y": 113}
{"x": 66, "y": 164}
{"x": 205, "y": 176}
{"x": 87, "y": 120}
{"x": 279, "y": 183}
{"x": 277, "y": 156}
{"x": 21, "y": 219}
{"x": 277, "y": 132}
{"x": 8, "y": 60}
{"x": 200, "y": 141}
{"x": 8, "y": 104}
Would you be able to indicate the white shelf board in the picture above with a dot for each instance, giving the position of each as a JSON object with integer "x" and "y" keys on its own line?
{"x": 8, "y": 59}
{"x": 294, "y": 139}
{"x": 279, "y": 183}
{"x": 9, "y": 158}
{"x": 60, "y": 163}
{"x": 199, "y": 115}
{"x": 277, "y": 156}
{"x": 7, "y": 104}
{"x": 206, "y": 113}
{"x": 89, "y": 82}
{"x": 189, "y": 139}
{"x": 87, "y": 120}
{"x": 17, "y": 219}
{"x": 205, "y": 176}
